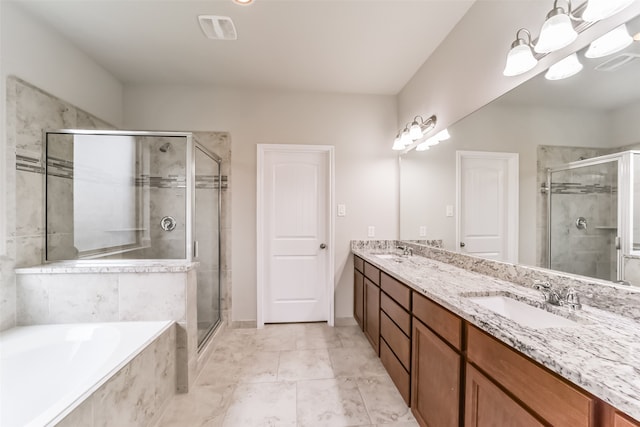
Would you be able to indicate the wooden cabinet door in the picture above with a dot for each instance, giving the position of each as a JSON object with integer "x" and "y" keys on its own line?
{"x": 435, "y": 379}
{"x": 372, "y": 314}
{"x": 622, "y": 421}
{"x": 486, "y": 405}
{"x": 358, "y": 298}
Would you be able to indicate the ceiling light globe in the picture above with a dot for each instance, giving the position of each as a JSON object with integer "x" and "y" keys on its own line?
{"x": 443, "y": 135}
{"x": 415, "y": 131}
{"x": 602, "y": 9}
{"x": 422, "y": 147}
{"x": 568, "y": 67}
{"x": 520, "y": 59}
{"x": 612, "y": 42}
{"x": 397, "y": 145}
{"x": 405, "y": 139}
{"x": 556, "y": 33}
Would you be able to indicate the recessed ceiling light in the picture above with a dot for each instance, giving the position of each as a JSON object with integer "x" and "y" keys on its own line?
{"x": 243, "y": 2}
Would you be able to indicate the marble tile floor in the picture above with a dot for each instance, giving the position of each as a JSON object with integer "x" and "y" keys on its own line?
{"x": 300, "y": 375}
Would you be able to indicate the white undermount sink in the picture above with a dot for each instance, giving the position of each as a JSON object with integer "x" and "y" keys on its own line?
{"x": 386, "y": 256}
{"x": 522, "y": 313}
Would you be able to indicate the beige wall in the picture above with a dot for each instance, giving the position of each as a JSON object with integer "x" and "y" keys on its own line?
{"x": 360, "y": 127}
{"x": 35, "y": 53}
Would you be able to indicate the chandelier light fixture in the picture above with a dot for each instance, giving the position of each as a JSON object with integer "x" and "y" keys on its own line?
{"x": 416, "y": 130}
{"x": 568, "y": 67}
{"x": 520, "y": 58}
{"x": 558, "y": 31}
{"x": 601, "y": 9}
{"x": 612, "y": 42}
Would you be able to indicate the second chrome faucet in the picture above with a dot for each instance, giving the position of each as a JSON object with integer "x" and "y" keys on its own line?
{"x": 551, "y": 296}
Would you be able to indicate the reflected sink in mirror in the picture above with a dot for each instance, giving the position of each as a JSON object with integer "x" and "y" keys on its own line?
{"x": 521, "y": 312}
{"x": 392, "y": 257}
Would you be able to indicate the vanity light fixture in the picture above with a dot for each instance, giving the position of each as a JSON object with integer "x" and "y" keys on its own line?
{"x": 405, "y": 139}
{"x": 419, "y": 127}
{"x": 557, "y": 31}
{"x": 612, "y": 42}
{"x": 413, "y": 131}
{"x": 568, "y": 67}
{"x": 602, "y": 9}
{"x": 520, "y": 58}
{"x": 243, "y": 2}
{"x": 443, "y": 135}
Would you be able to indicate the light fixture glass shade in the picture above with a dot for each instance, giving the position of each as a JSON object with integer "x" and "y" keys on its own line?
{"x": 422, "y": 147}
{"x": 602, "y": 9}
{"x": 520, "y": 59}
{"x": 612, "y": 42}
{"x": 415, "y": 131}
{"x": 568, "y": 67}
{"x": 397, "y": 145}
{"x": 405, "y": 139}
{"x": 556, "y": 33}
{"x": 432, "y": 141}
{"x": 443, "y": 135}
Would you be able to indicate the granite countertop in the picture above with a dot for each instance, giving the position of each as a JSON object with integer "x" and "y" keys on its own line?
{"x": 110, "y": 266}
{"x": 601, "y": 353}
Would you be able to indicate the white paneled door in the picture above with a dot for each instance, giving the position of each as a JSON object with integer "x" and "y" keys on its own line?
{"x": 294, "y": 234}
{"x": 488, "y": 204}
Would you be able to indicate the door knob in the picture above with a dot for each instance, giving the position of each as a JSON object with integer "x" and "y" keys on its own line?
{"x": 462, "y": 245}
{"x": 323, "y": 246}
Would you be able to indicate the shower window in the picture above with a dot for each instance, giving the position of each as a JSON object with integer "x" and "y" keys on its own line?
{"x": 116, "y": 195}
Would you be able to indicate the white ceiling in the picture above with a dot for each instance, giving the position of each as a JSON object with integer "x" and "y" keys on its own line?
{"x": 347, "y": 46}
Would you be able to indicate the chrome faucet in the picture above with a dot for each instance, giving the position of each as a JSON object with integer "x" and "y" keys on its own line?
{"x": 551, "y": 296}
{"x": 406, "y": 251}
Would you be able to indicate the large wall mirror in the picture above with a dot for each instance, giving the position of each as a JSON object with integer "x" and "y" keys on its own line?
{"x": 574, "y": 187}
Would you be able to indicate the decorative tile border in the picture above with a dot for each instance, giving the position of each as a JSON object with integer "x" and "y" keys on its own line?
{"x": 578, "y": 188}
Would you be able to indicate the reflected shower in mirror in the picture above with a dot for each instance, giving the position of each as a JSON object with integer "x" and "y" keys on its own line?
{"x": 548, "y": 123}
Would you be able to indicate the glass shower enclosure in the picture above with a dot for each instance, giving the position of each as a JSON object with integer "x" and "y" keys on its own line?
{"x": 591, "y": 220}
{"x": 140, "y": 197}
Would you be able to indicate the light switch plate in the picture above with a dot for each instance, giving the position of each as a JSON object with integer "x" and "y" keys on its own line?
{"x": 342, "y": 210}
{"x": 371, "y": 231}
{"x": 449, "y": 210}
{"x": 423, "y": 231}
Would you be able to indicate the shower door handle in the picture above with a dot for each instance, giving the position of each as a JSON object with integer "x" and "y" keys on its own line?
{"x": 617, "y": 243}
{"x": 196, "y": 249}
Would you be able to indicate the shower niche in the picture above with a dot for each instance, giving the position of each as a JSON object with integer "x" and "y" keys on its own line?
{"x": 136, "y": 197}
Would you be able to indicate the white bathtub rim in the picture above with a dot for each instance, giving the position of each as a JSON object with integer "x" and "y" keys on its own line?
{"x": 63, "y": 409}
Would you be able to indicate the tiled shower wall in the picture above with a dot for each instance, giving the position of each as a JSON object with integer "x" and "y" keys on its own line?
{"x": 29, "y": 112}
{"x": 549, "y": 156}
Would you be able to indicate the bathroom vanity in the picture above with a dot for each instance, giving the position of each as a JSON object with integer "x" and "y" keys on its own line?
{"x": 457, "y": 362}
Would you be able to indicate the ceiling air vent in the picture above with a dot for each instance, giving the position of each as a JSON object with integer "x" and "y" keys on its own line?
{"x": 617, "y": 62}
{"x": 218, "y": 27}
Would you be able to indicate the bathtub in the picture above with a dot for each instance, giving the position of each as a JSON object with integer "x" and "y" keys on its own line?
{"x": 46, "y": 371}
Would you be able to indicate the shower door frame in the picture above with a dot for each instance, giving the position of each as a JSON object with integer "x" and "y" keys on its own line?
{"x": 189, "y": 190}
{"x": 625, "y": 201}
{"x": 218, "y": 160}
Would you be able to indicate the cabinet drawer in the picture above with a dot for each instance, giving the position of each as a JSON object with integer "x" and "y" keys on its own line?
{"x": 372, "y": 273}
{"x": 358, "y": 263}
{"x": 400, "y": 292}
{"x": 396, "y": 313}
{"x": 396, "y": 371}
{"x": 555, "y": 401}
{"x": 444, "y": 323}
{"x": 397, "y": 341}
